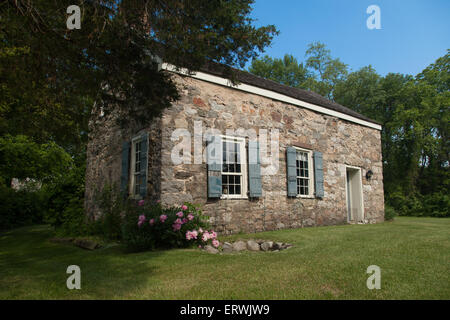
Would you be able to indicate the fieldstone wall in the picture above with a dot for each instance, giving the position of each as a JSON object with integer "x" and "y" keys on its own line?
{"x": 342, "y": 143}
{"x": 104, "y": 156}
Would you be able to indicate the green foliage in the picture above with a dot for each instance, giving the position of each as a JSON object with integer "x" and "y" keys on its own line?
{"x": 389, "y": 213}
{"x": 51, "y": 76}
{"x": 65, "y": 203}
{"x": 154, "y": 232}
{"x": 286, "y": 71}
{"x": 428, "y": 205}
{"x": 328, "y": 72}
{"x": 112, "y": 210}
{"x": 22, "y": 158}
{"x": 320, "y": 73}
{"x": 20, "y": 208}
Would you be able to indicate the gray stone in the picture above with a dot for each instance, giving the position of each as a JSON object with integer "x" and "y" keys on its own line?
{"x": 86, "y": 244}
{"x": 266, "y": 246}
{"x": 227, "y": 247}
{"x": 277, "y": 245}
{"x": 239, "y": 246}
{"x": 211, "y": 249}
{"x": 252, "y": 245}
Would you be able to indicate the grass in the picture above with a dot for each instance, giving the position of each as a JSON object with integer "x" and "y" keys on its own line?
{"x": 325, "y": 263}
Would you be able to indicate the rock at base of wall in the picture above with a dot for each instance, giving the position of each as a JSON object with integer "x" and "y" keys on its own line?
{"x": 86, "y": 244}
{"x": 211, "y": 249}
{"x": 239, "y": 246}
{"x": 266, "y": 246}
{"x": 227, "y": 247}
{"x": 252, "y": 245}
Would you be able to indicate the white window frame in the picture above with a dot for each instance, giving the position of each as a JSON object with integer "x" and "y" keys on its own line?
{"x": 132, "y": 179}
{"x": 310, "y": 170}
{"x": 243, "y": 174}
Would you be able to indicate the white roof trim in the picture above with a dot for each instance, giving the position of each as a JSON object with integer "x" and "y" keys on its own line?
{"x": 270, "y": 94}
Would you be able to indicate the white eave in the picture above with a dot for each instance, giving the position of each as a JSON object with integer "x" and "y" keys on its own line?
{"x": 270, "y": 94}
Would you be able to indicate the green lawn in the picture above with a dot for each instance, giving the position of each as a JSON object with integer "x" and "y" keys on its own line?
{"x": 325, "y": 263}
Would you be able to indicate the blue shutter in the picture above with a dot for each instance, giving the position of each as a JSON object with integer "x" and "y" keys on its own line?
{"x": 125, "y": 168}
{"x": 254, "y": 170}
{"x": 214, "y": 161}
{"x": 291, "y": 161}
{"x": 144, "y": 166}
{"x": 318, "y": 174}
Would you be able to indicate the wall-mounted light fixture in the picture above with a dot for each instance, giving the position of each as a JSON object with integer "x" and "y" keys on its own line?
{"x": 369, "y": 174}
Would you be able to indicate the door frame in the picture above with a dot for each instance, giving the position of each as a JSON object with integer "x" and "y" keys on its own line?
{"x": 361, "y": 192}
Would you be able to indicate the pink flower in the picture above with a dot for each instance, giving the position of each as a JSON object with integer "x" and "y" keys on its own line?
{"x": 190, "y": 216}
{"x": 184, "y": 207}
{"x": 194, "y": 234}
{"x": 205, "y": 237}
{"x": 142, "y": 218}
{"x": 176, "y": 226}
{"x": 184, "y": 220}
{"x": 200, "y": 230}
{"x": 178, "y": 221}
{"x": 140, "y": 223}
{"x": 158, "y": 201}
{"x": 141, "y": 202}
{"x": 179, "y": 214}
{"x": 152, "y": 222}
{"x": 215, "y": 243}
{"x": 188, "y": 235}
{"x": 162, "y": 218}
{"x": 213, "y": 235}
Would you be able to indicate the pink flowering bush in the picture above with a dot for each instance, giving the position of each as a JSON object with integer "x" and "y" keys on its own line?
{"x": 149, "y": 226}
{"x": 202, "y": 237}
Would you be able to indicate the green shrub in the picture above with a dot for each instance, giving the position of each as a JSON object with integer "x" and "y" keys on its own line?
{"x": 436, "y": 205}
{"x": 431, "y": 205}
{"x": 112, "y": 211}
{"x": 20, "y": 207}
{"x": 389, "y": 213}
{"x": 65, "y": 203}
{"x": 150, "y": 226}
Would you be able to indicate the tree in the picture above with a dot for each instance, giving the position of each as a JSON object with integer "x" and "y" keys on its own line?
{"x": 286, "y": 71}
{"x": 51, "y": 76}
{"x": 328, "y": 72}
{"x": 362, "y": 91}
{"x": 320, "y": 73}
{"x": 22, "y": 158}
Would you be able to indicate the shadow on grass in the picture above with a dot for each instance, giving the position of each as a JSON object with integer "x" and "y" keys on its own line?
{"x": 29, "y": 260}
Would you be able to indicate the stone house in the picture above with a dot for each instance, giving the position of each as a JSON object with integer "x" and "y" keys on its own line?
{"x": 256, "y": 156}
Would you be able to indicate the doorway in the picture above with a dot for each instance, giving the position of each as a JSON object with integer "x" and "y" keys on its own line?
{"x": 354, "y": 195}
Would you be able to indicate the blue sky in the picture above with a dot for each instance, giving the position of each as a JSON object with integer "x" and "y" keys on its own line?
{"x": 413, "y": 34}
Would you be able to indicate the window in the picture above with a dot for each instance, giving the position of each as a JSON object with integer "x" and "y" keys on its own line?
{"x": 305, "y": 173}
{"x": 136, "y": 167}
{"x": 234, "y": 184}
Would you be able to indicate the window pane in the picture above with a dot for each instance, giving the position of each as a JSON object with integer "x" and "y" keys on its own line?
{"x": 231, "y": 183}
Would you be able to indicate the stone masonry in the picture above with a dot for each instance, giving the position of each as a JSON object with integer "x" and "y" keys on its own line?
{"x": 341, "y": 142}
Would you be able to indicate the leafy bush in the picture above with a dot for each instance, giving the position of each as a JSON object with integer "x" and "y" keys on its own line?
{"x": 431, "y": 205}
{"x": 112, "y": 211}
{"x": 389, "y": 213}
{"x": 436, "y": 205}
{"x": 20, "y": 207}
{"x": 65, "y": 203}
{"x": 150, "y": 226}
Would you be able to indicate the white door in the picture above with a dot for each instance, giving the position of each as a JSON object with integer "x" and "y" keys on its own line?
{"x": 355, "y": 207}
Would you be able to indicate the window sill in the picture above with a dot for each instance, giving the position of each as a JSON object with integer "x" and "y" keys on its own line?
{"x": 234, "y": 198}
{"x": 305, "y": 197}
